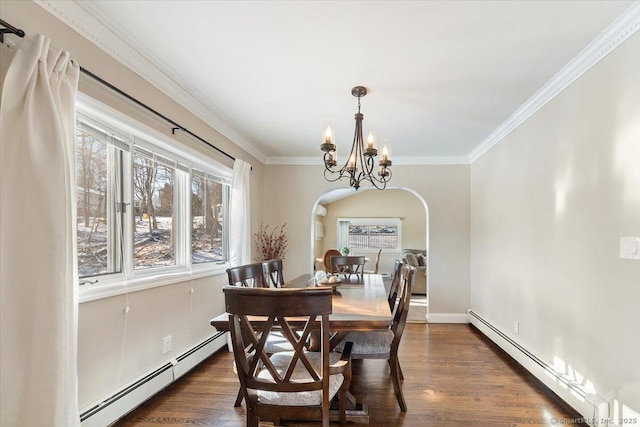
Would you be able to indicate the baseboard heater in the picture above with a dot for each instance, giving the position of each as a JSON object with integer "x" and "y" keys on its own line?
{"x": 124, "y": 401}
{"x": 590, "y": 407}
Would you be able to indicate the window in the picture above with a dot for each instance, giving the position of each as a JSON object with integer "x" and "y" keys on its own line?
{"x": 373, "y": 236}
{"x": 369, "y": 233}
{"x": 98, "y": 176}
{"x": 153, "y": 238}
{"x": 146, "y": 206}
{"x": 208, "y": 219}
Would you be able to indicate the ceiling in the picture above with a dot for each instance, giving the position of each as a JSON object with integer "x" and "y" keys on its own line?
{"x": 442, "y": 75}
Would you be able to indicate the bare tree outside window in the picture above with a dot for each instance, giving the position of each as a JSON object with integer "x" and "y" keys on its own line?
{"x": 153, "y": 185}
{"x": 92, "y": 227}
{"x": 207, "y": 219}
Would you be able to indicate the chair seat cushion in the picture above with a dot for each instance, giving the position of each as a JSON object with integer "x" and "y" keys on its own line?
{"x": 300, "y": 374}
{"x": 276, "y": 343}
{"x": 368, "y": 343}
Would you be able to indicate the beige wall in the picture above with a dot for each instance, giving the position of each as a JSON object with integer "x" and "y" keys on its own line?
{"x": 113, "y": 352}
{"x": 115, "y": 349}
{"x": 549, "y": 204}
{"x": 292, "y": 192}
{"x": 390, "y": 203}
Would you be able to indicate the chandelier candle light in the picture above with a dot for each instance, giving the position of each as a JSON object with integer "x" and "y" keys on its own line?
{"x": 360, "y": 163}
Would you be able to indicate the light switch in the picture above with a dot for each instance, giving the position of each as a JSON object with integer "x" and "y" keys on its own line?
{"x": 630, "y": 248}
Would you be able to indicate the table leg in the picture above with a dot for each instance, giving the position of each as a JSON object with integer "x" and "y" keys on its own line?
{"x": 357, "y": 412}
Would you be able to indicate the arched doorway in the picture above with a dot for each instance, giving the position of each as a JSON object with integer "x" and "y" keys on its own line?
{"x": 394, "y": 202}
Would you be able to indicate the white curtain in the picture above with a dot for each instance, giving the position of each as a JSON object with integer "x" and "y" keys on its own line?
{"x": 240, "y": 215}
{"x": 38, "y": 271}
{"x": 343, "y": 234}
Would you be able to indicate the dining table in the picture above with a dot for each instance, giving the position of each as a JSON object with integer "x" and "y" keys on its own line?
{"x": 358, "y": 304}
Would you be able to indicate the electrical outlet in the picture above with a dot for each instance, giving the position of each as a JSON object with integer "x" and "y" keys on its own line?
{"x": 516, "y": 327}
{"x": 166, "y": 344}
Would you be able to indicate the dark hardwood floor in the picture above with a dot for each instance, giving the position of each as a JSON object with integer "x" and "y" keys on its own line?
{"x": 454, "y": 376}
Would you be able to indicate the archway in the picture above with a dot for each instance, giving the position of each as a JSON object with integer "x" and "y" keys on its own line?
{"x": 339, "y": 197}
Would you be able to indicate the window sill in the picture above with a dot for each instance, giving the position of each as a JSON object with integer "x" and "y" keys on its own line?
{"x": 148, "y": 281}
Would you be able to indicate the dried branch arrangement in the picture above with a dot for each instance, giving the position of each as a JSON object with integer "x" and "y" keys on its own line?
{"x": 271, "y": 244}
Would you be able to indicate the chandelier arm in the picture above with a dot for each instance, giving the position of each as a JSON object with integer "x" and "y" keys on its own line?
{"x": 328, "y": 178}
{"x": 370, "y": 164}
{"x": 353, "y": 182}
{"x": 375, "y": 182}
{"x": 380, "y": 183}
{"x": 379, "y": 186}
{"x": 329, "y": 162}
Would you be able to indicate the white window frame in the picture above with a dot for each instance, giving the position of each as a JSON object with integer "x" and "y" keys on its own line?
{"x": 147, "y": 139}
{"x": 226, "y": 198}
{"x": 342, "y": 233}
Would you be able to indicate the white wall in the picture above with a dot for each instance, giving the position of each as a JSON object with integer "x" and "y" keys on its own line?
{"x": 113, "y": 348}
{"x": 291, "y": 192}
{"x": 549, "y": 204}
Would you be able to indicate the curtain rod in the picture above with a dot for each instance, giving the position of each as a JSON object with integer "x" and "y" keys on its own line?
{"x": 10, "y": 29}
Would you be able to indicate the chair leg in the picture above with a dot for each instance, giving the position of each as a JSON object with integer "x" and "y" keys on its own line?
{"x": 401, "y": 374}
{"x": 342, "y": 407}
{"x": 397, "y": 387}
{"x": 239, "y": 399}
{"x": 252, "y": 420}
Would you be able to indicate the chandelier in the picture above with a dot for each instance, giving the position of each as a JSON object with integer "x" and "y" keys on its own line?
{"x": 360, "y": 163}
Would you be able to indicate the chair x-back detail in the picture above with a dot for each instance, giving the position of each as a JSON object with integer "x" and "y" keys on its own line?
{"x": 297, "y": 384}
{"x": 248, "y": 276}
{"x": 384, "y": 345}
{"x": 348, "y": 265}
{"x": 273, "y": 273}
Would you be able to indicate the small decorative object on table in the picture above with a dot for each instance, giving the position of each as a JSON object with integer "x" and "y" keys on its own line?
{"x": 344, "y": 251}
{"x": 328, "y": 280}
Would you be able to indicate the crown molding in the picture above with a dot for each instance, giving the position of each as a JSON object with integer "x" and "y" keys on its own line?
{"x": 284, "y": 160}
{"x": 613, "y": 36}
{"x": 92, "y": 28}
{"x": 81, "y": 20}
{"x": 429, "y": 160}
{"x": 397, "y": 161}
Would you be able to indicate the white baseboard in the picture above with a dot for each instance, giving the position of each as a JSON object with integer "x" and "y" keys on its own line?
{"x": 117, "y": 406}
{"x": 592, "y": 408}
{"x": 123, "y": 401}
{"x": 447, "y": 318}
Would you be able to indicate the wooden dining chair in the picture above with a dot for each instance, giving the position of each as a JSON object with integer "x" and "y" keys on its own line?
{"x": 385, "y": 344}
{"x": 376, "y": 265}
{"x": 273, "y": 273}
{"x": 248, "y": 276}
{"x": 348, "y": 266}
{"x": 298, "y": 384}
{"x": 392, "y": 296}
{"x": 260, "y": 276}
{"x": 326, "y": 259}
